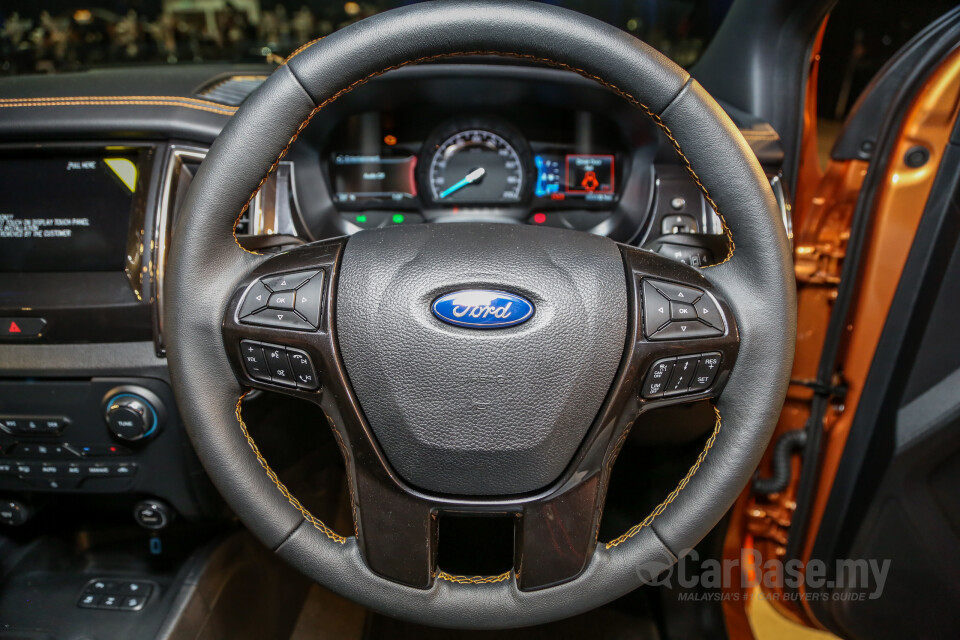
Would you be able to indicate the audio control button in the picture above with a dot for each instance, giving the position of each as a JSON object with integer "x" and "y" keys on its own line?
{"x": 279, "y": 365}
{"x": 253, "y": 361}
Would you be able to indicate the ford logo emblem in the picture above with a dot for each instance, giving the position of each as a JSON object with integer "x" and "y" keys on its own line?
{"x": 482, "y": 309}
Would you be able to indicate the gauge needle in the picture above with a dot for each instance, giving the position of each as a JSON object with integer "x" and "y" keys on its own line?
{"x": 470, "y": 178}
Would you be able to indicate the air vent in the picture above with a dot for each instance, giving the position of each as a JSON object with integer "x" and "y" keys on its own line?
{"x": 233, "y": 90}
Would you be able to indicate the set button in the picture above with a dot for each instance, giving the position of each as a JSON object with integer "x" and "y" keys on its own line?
{"x": 675, "y": 312}
{"x": 281, "y": 365}
{"x": 288, "y": 301}
{"x": 680, "y": 375}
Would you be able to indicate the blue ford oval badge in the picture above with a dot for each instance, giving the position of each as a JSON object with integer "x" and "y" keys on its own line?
{"x": 482, "y": 309}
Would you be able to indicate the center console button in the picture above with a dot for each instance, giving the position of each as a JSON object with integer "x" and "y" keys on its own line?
{"x": 279, "y": 365}
{"x": 256, "y": 298}
{"x": 21, "y": 327}
{"x": 94, "y": 469}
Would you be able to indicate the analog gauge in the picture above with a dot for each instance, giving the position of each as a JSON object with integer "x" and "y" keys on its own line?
{"x": 475, "y": 166}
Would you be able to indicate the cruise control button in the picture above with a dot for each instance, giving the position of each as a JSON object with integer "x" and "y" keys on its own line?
{"x": 279, "y": 319}
{"x": 288, "y": 280}
{"x": 682, "y": 311}
{"x": 706, "y": 372}
{"x": 685, "y": 329}
{"x": 682, "y": 373}
{"x": 656, "y": 309}
{"x": 303, "y": 370}
{"x": 309, "y": 297}
{"x": 253, "y": 361}
{"x": 257, "y": 298}
{"x": 280, "y": 370}
{"x": 678, "y": 293}
{"x": 708, "y": 312}
{"x": 657, "y": 377}
{"x": 282, "y": 300}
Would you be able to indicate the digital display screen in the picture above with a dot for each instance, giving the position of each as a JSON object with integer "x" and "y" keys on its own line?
{"x": 365, "y": 178}
{"x": 586, "y": 176}
{"x": 65, "y": 213}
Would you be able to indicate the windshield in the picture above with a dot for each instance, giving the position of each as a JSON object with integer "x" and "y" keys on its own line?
{"x": 63, "y": 35}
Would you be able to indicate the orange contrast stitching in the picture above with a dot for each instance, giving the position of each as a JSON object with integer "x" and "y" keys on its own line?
{"x": 673, "y": 494}
{"x": 657, "y": 120}
{"x": 443, "y": 575}
{"x": 166, "y": 101}
{"x": 301, "y": 49}
{"x": 317, "y": 524}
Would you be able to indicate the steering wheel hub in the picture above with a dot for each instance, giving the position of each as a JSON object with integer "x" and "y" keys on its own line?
{"x": 460, "y": 411}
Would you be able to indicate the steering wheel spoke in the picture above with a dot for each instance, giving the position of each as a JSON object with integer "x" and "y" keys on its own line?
{"x": 276, "y": 327}
{"x": 686, "y": 339}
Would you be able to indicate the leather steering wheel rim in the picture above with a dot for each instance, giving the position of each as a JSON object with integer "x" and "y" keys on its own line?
{"x": 206, "y": 263}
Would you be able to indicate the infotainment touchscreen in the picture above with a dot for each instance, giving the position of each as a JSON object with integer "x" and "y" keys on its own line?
{"x": 65, "y": 213}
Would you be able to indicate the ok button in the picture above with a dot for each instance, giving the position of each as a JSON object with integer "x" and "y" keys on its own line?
{"x": 282, "y": 300}
{"x": 682, "y": 311}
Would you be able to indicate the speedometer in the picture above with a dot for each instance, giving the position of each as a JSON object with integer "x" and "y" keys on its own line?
{"x": 475, "y": 166}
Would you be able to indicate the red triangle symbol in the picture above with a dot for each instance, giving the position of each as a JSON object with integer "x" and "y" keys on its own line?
{"x": 13, "y": 327}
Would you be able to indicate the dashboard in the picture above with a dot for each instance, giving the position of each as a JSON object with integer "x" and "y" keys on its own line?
{"x": 90, "y": 188}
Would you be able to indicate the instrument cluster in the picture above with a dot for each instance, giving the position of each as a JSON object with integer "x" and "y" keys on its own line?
{"x": 480, "y": 167}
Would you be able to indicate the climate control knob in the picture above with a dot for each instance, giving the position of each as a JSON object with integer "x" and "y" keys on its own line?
{"x": 131, "y": 416}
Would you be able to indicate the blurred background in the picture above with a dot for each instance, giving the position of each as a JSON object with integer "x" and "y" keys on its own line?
{"x": 70, "y": 35}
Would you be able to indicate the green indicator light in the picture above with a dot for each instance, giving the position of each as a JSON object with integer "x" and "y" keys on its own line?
{"x": 361, "y": 219}
{"x": 397, "y": 218}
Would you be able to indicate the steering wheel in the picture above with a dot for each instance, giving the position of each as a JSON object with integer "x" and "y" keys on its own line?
{"x": 479, "y": 368}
